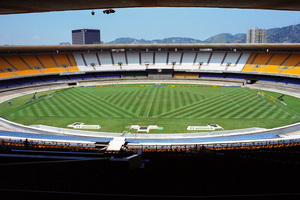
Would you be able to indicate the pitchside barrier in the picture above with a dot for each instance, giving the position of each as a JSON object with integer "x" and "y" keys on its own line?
{"x": 48, "y": 130}
{"x": 276, "y": 141}
{"x": 213, "y": 146}
{"x": 158, "y": 85}
{"x": 262, "y": 94}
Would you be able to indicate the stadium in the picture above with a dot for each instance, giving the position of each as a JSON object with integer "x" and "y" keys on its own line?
{"x": 139, "y": 105}
{"x": 124, "y": 68}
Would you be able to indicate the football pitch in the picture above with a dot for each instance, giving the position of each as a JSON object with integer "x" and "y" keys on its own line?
{"x": 173, "y": 107}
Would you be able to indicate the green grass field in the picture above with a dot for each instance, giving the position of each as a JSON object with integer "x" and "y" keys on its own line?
{"x": 173, "y": 108}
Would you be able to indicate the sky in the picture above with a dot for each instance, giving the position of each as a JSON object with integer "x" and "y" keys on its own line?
{"x": 52, "y": 28}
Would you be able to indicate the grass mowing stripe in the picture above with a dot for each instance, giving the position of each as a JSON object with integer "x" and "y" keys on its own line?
{"x": 226, "y": 105}
{"x": 34, "y": 110}
{"x": 243, "y": 102}
{"x": 256, "y": 113}
{"x": 247, "y": 111}
{"x": 275, "y": 110}
{"x": 250, "y": 110}
{"x": 189, "y": 98}
{"x": 118, "y": 110}
{"x": 165, "y": 100}
{"x": 20, "y": 113}
{"x": 207, "y": 101}
{"x": 123, "y": 99}
{"x": 160, "y": 94}
{"x": 94, "y": 101}
{"x": 30, "y": 112}
{"x": 268, "y": 112}
{"x": 58, "y": 104}
{"x": 120, "y": 98}
{"x": 245, "y": 106}
{"x": 39, "y": 112}
{"x": 138, "y": 107}
{"x": 170, "y": 102}
{"x": 176, "y": 99}
{"x": 140, "y": 99}
{"x": 47, "y": 110}
{"x": 60, "y": 112}
{"x": 133, "y": 100}
{"x": 183, "y": 109}
{"x": 145, "y": 102}
{"x": 126, "y": 100}
{"x": 54, "y": 112}
{"x": 65, "y": 102}
{"x": 82, "y": 103}
{"x": 100, "y": 110}
{"x": 180, "y": 100}
{"x": 183, "y": 99}
{"x": 43, "y": 109}
{"x": 194, "y": 97}
{"x": 100, "y": 104}
{"x": 137, "y": 97}
{"x": 286, "y": 108}
{"x": 162, "y": 100}
{"x": 173, "y": 98}
{"x": 111, "y": 97}
{"x": 205, "y": 109}
{"x": 277, "y": 114}
{"x": 115, "y": 98}
{"x": 156, "y": 104}
{"x": 285, "y": 115}
{"x": 149, "y": 106}
{"x": 222, "y": 103}
{"x": 51, "y": 107}
{"x": 208, "y": 111}
{"x": 266, "y": 109}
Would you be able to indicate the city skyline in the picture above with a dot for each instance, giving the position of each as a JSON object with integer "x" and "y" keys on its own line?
{"x": 53, "y": 28}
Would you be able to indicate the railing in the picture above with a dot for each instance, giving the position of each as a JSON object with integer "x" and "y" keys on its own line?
{"x": 215, "y": 146}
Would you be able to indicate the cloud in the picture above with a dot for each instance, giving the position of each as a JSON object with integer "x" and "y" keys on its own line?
{"x": 35, "y": 37}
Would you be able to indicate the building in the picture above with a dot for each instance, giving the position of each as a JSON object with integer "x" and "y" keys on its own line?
{"x": 86, "y": 36}
{"x": 256, "y": 35}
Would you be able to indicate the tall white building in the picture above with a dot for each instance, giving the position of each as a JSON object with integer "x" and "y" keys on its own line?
{"x": 256, "y": 35}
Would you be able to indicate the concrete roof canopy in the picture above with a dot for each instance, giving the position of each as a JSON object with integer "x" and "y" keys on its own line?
{"x": 34, "y": 6}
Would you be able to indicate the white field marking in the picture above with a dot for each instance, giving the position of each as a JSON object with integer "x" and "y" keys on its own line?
{"x": 231, "y": 99}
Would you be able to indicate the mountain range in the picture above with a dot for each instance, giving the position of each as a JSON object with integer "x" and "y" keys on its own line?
{"x": 287, "y": 34}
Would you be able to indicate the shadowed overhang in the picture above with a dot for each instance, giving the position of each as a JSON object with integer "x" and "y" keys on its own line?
{"x": 33, "y": 6}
